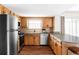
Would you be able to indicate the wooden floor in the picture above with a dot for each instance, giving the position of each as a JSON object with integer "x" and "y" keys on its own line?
{"x": 36, "y": 50}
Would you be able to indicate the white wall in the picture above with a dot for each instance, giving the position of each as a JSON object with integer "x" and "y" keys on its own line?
{"x": 57, "y": 24}
{"x": 71, "y": 13}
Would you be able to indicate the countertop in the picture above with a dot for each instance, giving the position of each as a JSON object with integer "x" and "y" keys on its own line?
{"x": 37, "y": 33}
{"x": 66, "y": 38}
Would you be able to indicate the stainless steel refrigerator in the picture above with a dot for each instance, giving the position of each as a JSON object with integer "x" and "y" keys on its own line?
{"x": 8, "y": 34}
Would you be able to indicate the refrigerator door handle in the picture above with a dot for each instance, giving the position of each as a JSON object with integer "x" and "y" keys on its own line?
{"x": 11, "y": 30}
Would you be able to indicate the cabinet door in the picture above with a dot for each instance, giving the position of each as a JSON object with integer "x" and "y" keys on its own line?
{"x": 47, "y": 22}
{"x": 51, "y": 43}
{"x": 23, "y": 22}
{"x": 55, "y": 47}
{"x": 59, "y": 48}
{"x": 26, "y": 40}
{"x": 36, "y": 40}
{"x": 31, "y": 40}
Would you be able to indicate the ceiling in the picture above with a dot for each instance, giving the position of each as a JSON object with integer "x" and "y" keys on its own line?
{"x": 40, "y": 9}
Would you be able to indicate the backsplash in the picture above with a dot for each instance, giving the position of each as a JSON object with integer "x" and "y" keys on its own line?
{"x": 31, "y": 30}
{"x": 25, "y": 30}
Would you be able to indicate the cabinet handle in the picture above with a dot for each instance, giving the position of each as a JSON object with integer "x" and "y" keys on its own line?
{"x": 55, "y": 44}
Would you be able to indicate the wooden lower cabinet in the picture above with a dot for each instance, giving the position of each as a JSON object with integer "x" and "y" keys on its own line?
{"x": 59, "y": 48}
{"x": 36, "y": 40}
{"x": 32, "y": 39}
{"x": 26, "y": 39}
{"x": 55, "y": 45}
{"x": 50, "y": 42}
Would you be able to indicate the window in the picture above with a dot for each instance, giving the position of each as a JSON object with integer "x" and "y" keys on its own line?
{"x": 72, "y": 26}
{"x": 34, "y": 24}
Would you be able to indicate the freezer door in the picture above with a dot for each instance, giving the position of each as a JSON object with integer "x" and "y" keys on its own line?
{"x": 12, "y": 22}
{"x": 13, "y": 39}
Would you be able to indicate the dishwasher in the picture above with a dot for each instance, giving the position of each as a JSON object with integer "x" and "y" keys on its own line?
{"x": 43, "y": 38}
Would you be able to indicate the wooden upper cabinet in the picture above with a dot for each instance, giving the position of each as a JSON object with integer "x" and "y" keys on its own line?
{"x": 1, "y": 9}
{"x": 6, "y": 11}
{"x": 48, "y": 22}
{"x": 55, "y": 47}
{"x": 23, "y": 22}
